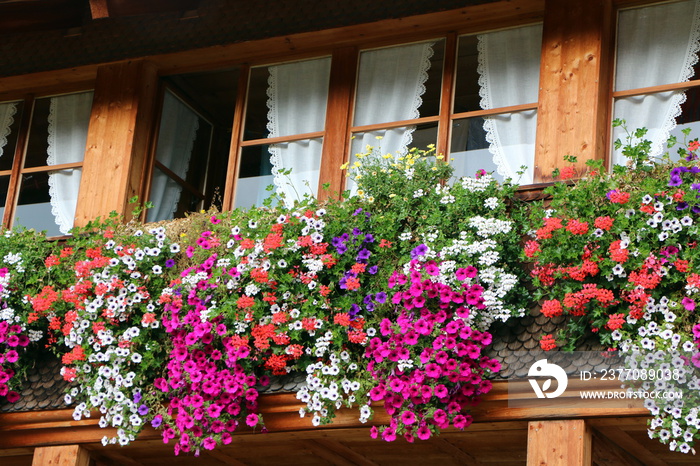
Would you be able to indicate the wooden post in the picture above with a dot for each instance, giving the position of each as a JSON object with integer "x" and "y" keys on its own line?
{"x": 64, "y": 455}
{"x": 338, "y": 115}
{"x": 558, "y": 443}
{"x": 575, "y": 79}
{"x": 118, "y": 140}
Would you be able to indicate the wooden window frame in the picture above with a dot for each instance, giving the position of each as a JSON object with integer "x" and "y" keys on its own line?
{"x": 153, "y": 164}
{"x": 623, "y": 5}
{"x": 338, "y": 129}
{"x": 18, "y": 169}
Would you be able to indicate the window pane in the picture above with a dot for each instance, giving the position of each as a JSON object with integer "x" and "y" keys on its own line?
{"x": 58, "y": 132}
{"x": 399, "y": 83}
{"x": 655, "y": 45}
{"x": 287, "y": 99}
{"x": 644, "y": 110}
{"x": 10, "y": 119}
{"x": 386, "y": 141}
{"x": 178, "y": 198}
{"x": 41, "y": 209}
{"x": 501, "y": 143}
{"x": 194, "y": 140}
{"x": 184, "y": 140}
{"x": 498, "y": 69}
{"x": 293, "y": 169}
{"x": 390, "y": 141}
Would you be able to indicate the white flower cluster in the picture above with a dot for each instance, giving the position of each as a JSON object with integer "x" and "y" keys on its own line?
{"x": 675, "y": 412}
{"x": 107, "y": 379}
{"x": 476, "y": 184}
{"x": 325, "y": 385}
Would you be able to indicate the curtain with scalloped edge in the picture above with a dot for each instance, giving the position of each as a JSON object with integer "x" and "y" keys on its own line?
{"x": 69, "y": 117}
{"x": 178, "y": 130}
{"x": 509, "y": 74}
{"x": 297, "y": 95}
{"x": 390, "y": 87}
{"x": 7, "y": 117}
{"x": 656, "y": 45}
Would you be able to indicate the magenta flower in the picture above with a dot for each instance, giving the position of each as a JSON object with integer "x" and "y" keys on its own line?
{"x": 389, "y": 434}
{"x": 251, "y": 420}
{"x": 209, "y": 443}
{"x": 408, "y": 418}
{"x": 688, "y": 304}
{"x": 423, "y": 432}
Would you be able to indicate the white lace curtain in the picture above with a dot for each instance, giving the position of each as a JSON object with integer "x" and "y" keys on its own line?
{"x": 509, "y": 72}
{"x": 176, "y": 136}
{"x": 656, "y": 45}
{"x": 297, "y": 94}
{"x": 7, "y": 117}
{"x": 390, "y": 87}
{"x": 69, "y": 117}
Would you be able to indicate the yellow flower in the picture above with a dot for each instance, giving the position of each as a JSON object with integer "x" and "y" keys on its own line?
{"x": 433, "y": 168}
{"x": 360, "y": 192}
{"x": 182, "y": 235}
{"x": 370, "y": 199}
{"x": 344, "y": 166}
{"x": 387, "y": 156}
{"x": 357, "y": 164}
{"x": 379, "y": 137}
{"x": 392, "y": 195}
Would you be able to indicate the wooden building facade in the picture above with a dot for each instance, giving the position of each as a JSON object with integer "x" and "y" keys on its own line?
{"x": 136, "y": 77}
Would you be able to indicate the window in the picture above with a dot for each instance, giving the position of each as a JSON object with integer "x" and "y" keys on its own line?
{"x": 283, "y": 132}
{"x": 494, "y": 117}
{"x": 194, "y": 135}
{"x": 657, "y": 54}
{"x": 42, "y": 145}
{"x": 474, "y": 96}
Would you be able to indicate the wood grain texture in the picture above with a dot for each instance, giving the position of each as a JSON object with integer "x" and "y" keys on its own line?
{"x": 64, "y": 455}
{"x": 574, "y": 98}
{"x": 559, "y": 443}
{"x": 338, "y": 118}
{"x": 119, "y": 138}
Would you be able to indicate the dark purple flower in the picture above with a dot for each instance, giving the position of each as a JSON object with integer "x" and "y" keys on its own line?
{"x": 373, "y": 270}
{"x": 369, "y": 238}
{"x": 418, "y": 251}
{"x": 357, "y": 212}
{"x": 681, "y": 206}
{"x": 170, "y": 263}
{"x": 143, "y": 410}
{"x": 157, "y": 421}
{"x": 380, "y": 297}
{"x": 363, "y": 255}
{"x": 675, "y": 181}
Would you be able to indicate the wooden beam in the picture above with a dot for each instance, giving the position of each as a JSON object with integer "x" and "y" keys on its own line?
{"x": 338, "y": 115}
{"x": 99, "y": 9}
{"x": 470, "y": 19}
{"x": 559, "y": 443}
{"x": 337, "y": 453}
{"x": 457, "y": 453}
{"x": 574, "y": 98}
{"x": 606, "y": 453}
{"x": 64, "y": 455}
{"x": 635, "y": 449}
{"x": 447, "y": 97}
{"x": 119, "y": 138}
